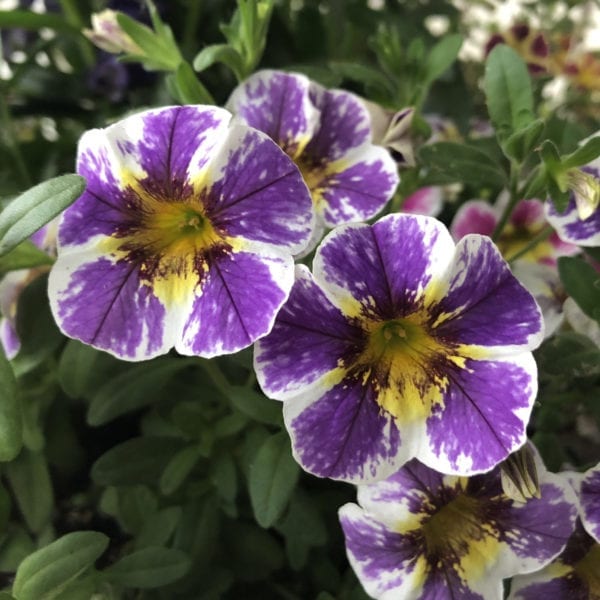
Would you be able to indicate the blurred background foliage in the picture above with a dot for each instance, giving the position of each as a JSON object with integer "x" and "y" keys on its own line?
{"x": 182, "y": 463}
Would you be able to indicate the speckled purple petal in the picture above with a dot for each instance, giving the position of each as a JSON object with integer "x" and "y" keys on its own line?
{"x": 103, "y": 302}
{"x": 572, "y": 576}
{"x": 382, "y": 270}
{"x": 344, "y": 124}
{"x": 590, "y": 502}
{"x": 384, "y": 561}
{"x": 306, "y": 342}
{"x": 258, "y": 193}
{"x": 238, "y": 302}
{"x": 357, "y": 188}
{"x": 485, "y": 304}
{"x": 486, "y": 408}
{"x": 474, "y": 216}
{"x": 342, "y": 433}
{"x": 161, "y": 149}
{"x": 279, "y": 105}
{"x": 528, "y": 214}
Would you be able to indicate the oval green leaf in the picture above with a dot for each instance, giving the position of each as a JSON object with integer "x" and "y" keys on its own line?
{"x": 11, "y": 425}
{"x": 46, "y": 572}
{"x": 35, "y": 207}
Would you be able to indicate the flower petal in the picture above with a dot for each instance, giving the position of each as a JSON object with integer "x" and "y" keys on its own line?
{"x": 238, "y": 301}
{"x": 483, "y": 304}
{"x": 590, "y": 502}
{"x": 103, "y": 302}
{"x": 382, "y": 270}
{"x": 474, "y": 216}
{"x": 279, "y": 105}
{"x": 306, "y": 342}
{"x": 483, "y": 416}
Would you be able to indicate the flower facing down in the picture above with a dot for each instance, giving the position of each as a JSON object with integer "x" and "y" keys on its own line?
{"x": 184, "y": 236}
{"x": 402, "y": 345}
{"x": 579, "y": 223}
{"x": 423, "y": 535}
{"x": 575, "y": 574}
{"x": 328, "y": 134}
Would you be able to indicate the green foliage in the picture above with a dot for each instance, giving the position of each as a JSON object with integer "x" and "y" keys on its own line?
{"x": 582, "y": 283}
{"x": 44, "y": 574}
{"x": 37, "y": 206}
{"x": 11, "y": 428}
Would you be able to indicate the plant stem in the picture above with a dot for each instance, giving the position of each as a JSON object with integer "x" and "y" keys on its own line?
{"x": 73, "y": 16}
{"x": 216, "y": 375}
{"x": 514, "y": 199}
{"x": 538, "y": 239}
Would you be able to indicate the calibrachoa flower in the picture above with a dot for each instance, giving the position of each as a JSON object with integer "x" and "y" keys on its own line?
{"x": 424, "y": 201}
{"x": 526, "y": 221}
{"x": 184, "y": 235}
{"x": 14, "y": 282}
{"x": 575, "y": 574}
{"x": 579, "y": 223}
{"x": 402, "y": 345}
{"x": 423, "y": 535}
{"x": 328, "y": 134}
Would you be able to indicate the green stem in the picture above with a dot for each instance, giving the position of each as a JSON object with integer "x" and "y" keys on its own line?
{"x": 514, "y": 199}
{"x": 194, "y": 10}
{"x": 538, "y": 239}
{"x": 13, "y": 146}
{"x": 216, "y": 375}
{"x": 73, "y": 16}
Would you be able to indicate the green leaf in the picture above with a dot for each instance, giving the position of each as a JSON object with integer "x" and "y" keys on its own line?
{"x": 24, "y": 256}
{"x": 224, "y": 477}
{"x": 159, "y": 529}
{"x": 522, "y": 142}
{"x": 449, "y": 162}
{"x": 255, "y": 405}
{"x": 75, "y": 367}
{"x": 150, "y": 567}
{"x": 45, "y": 573}
{"x": 272, "y": 479}
{"x": 441, "y": 56}
{"x": 139, "y": 386}
{"x": 583, "y": 155}
{"x": 11, "y": 424}
{"x": 508, "y": 92}
{"x": 37, "y": 206}
{"x": 26, "y": 19}
{"x": 582, "y": 283}
{"x": 139, "y": 460}
{"x": 361, "y": 73}
{"x": 222, "y": 53}
{"x": 189, "y": 88}
{"x": 30, "y": 482}
{"x": 179, "y": 467}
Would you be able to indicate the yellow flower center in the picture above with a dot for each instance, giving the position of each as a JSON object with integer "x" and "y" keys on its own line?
{"x": 588, "y": 568}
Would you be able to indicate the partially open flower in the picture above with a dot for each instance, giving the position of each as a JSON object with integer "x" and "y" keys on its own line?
{"x": 420, "y": 534}
{"x": 402, "y": 345}
{"x": 184, "y": 236}
{"x": 107, "y": 34}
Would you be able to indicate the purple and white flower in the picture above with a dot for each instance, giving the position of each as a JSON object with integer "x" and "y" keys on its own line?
{"x": 403, "y": 345}
{"x": 423, "y": 535}
{"x": 328, "y": 135}
{"x": 184, "y": 236}
{"x": 576, "y": 572}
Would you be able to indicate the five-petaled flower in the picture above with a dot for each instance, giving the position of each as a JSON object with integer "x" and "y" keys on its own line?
{"x": 402, "y": 345}
{"x": 184, "y": 236}
{"x": 576, "y": 572}
{"x": 421, "y": 534}
{"x": 328, "y": 134}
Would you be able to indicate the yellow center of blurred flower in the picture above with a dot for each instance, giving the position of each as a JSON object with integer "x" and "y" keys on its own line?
{"x": 588, "y": 568}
